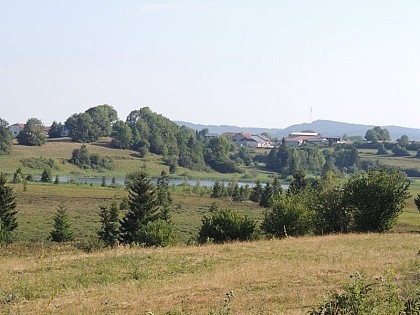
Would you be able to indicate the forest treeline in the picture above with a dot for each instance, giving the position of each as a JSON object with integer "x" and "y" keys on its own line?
{"x": 148, "y": 132}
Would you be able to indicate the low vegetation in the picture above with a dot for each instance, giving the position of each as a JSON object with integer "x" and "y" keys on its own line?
{"x": 289, "y": 276}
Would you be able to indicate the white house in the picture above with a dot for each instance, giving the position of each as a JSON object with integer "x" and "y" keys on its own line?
{"x": 15, "y": 129}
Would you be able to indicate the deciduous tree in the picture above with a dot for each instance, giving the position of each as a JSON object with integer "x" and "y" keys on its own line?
{"x": 6, "y": 137}
{"x": 33, "y": 134}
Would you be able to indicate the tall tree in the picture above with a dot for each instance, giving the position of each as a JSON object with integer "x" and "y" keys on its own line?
{"x": 82, "y": 128}
{"x": 164, "y": 195}
{"x": 331, "y": 212}
{"x": 7, "y": 208}
{"x": 33, "y": 134}
{"x": 6, "y": 137}
{"x": 109, "y": 225}
{"x": 144, "y": 206}
{"x": 103, "y": 116}
{"x": 265, "y": 200}
{"x": 298, "y": 183}
{"x": 256, "y": 192}
{"x": 62, "y": 231}
{"x": 55, "y": 130}
{"x": 122, "y": 136}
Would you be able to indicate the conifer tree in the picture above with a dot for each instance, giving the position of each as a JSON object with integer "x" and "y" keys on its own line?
{"x": 298, "y": 183}
{"x": 217, "y": 190}
{"x": 256, "y": 192}
{"x": 144, "y": 206}
{"x": 7, "y": 208}
{"x": 109, "y": 224}
{"x": 265, "y": 200}
{"x": 62, "y": 229}
{"x": 164, "y": 195}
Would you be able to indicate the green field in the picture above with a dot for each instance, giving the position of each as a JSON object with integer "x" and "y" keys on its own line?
{"x": 395, "y": 161}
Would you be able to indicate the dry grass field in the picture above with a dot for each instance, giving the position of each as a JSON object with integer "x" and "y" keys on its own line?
{"x": 265, "y": 277}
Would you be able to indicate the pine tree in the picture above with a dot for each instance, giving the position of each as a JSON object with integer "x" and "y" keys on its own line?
{"x": 144, "y": 206}
{"x": 256, "y": 192}
{"x": 298, "y": 183}
{"x": 109, "y": 225}
{"x": 7, "y": 208}
{"x": 217, "y": 190}
{"x": 265, "y": 200}
{"x": 62, "y": 231}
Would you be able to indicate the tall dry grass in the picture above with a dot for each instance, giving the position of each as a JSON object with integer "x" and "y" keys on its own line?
{"x": 265, "y": 277}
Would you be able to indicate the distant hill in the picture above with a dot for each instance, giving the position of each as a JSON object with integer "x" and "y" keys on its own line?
{"x": 325, "y": 127}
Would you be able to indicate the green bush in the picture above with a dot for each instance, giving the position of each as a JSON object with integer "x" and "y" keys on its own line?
{"x": 289, "y": 217}
{"x": 157, "y": 233}
{"x": 39, "y": 163}
{"x": 226, "y": 225}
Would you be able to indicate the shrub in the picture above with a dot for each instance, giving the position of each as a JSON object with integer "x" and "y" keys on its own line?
{"x": 376, "y": 199}
{"x": 289, "y": 217}
{"x": 90, "y": 244}
{"x": 226, "y": 225}
{"x": 83, "y": 159}
{"x": 39, "y": 163}
{"x": 157, "y": 233}
{"x": 387, "y": 294}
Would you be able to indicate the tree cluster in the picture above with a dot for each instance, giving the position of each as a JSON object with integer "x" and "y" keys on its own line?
{"x": 83, "y": 159}
{"x": 368, "y": 202}
{"x": 146, "y": 131}
{"x": 287, "y": 160}
{"x": 377, "y": 134}
{"x": 94, "y": 123}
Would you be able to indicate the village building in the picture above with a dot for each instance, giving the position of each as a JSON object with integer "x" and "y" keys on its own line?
{"x": 15, "y": 129}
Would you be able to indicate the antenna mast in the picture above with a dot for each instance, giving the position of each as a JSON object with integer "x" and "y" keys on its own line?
{"x": 310, "y": 116}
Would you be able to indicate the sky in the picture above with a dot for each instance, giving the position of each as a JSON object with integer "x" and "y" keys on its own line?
{"x": 270, "y": 63}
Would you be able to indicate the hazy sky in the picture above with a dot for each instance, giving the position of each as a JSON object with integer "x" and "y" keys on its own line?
{"x": 238, "y": 62}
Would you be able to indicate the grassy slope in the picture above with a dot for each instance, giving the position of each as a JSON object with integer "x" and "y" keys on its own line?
{"x": 125, "y": 161}
{"x": 266, "y": 277}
